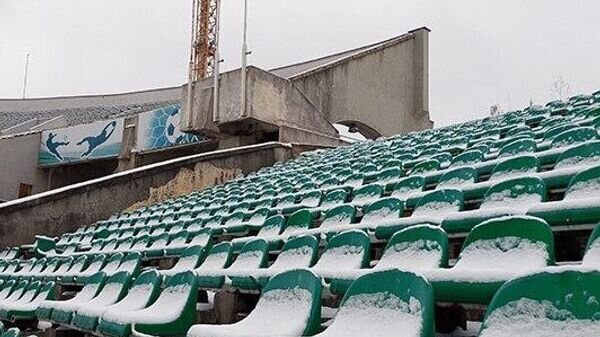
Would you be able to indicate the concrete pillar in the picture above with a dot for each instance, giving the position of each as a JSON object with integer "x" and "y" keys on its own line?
{"x": 421, "y": 71}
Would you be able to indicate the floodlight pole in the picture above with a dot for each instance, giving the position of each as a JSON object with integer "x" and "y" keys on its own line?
{"x": 25, "y": 76}
{"x": 244, "y": 59}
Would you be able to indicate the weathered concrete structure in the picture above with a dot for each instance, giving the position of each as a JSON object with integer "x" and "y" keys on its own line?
{"x": 380, "y": 90}
{"x": 68, "y": 208}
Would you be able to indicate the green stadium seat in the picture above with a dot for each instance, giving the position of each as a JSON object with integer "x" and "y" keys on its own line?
{"x": 345, "y": 252}
{"x": 290, "y": 305}
{"x": 270, "y": 230}
{"x": 502, "y": 199}
{"x": 515, "y": 167}
{"x": 299, "y": 252}
{"x": 172, "y": 314}
{"x": 432, "y": 208}
{"x": 518, "y": 147}
{"x": 456, "y": 178}
{"x": 574, "y": 136}
{"x": 387, "y": 303}
{"x": 495, "y": 251}
{"x": 545, "y": 304}
{"x": 467, "y": 158}
{"x": 425, "y": 167}
{"x": 86, "y": 316}
{"x": 417, "y": 248}
{"x": 254, "y": 255}
{"x": 25, "y": 307}
{"x": 366, "y": 194}
{"x": 93, "y": 285}
{"x": 407, "y": 187}
{"x": 581, "y": 204}
{"x": 219, "y": 257}
{"x": 190, "y": 259}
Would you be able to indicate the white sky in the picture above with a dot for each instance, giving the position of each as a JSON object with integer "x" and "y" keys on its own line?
{"x": 481, "y": 52}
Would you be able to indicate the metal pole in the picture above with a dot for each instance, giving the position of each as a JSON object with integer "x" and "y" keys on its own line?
{"x": 191, "y": 67}
{"x": 25, "y": 76}
{"x": 216, "y": 116}
{"x": 244, "y": 59}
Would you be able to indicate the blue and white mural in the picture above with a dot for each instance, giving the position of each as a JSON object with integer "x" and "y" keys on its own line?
{"x": 81, "y": 142}
{"x": 159, "y": 128}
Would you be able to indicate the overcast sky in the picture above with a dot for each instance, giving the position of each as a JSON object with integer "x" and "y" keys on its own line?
{"x": 481, "y": 52}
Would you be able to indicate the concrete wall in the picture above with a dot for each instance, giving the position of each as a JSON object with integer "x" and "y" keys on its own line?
{"x": 385, "y": 87}
{"x": 18, "y": 164}
{"x": 65, "y": 209}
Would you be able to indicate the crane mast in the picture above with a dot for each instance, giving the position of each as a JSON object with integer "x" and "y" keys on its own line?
{"x": 205, "y": 32}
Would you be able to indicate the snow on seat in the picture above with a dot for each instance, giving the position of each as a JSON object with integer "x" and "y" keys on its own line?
{"x": 218, "y": 258}
{"x": 545, "y": 304}
{"x": 509, "y": 197}
{"x": 515, "y": 167}
{"x": 335, "y": 219}
{"x": 142, "y": 293}
{"x": 385, "y": 303}
{"x": 93, "y": 285}
{"x": 345, "y": 252}
{"x": 416, "y": 248}
{"x": 172, "y": 314}
{"x": 254, "y": 255}
{"x": 458, "y": 177}
{"x": 517, "y": 147}
{"x": 332, "y": 199}
{"x": 308, "y": 199}
{"x": 189, "y": 260}
{"x": 157, "y": 246}
{"x": 78, "y": 266}
{"x": 255, "y": 220}
{"x": 467, "y": 158}
{"x": 290, "y": 305}
{"x": 432, "y": 208}
{"x": 574, "y": 136}
{"x": 407, "y": 187}
{"x": 494, "y": 251}
{"x": 17, "y": 292}
{"x": 299, "y": 252}
{"x": 86, "y": 316}
{"x": 580, "y": 205}
{"x": 366, "y": 194}
{"x": 25, "y": 307}
{"x": 297, "y": 224}
{"x": 271, "y": 229}
{"x": 177, "y": 243}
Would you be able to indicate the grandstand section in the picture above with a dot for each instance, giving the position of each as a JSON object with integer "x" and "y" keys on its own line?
{"x": 486, "y": 228}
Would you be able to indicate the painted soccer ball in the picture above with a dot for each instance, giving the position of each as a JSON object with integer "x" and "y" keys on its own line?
{"x": 172, "y": 130}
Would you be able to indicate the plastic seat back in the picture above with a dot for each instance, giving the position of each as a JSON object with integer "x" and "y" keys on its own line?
{"x": 335, "y": 197}
{"x": 584, "y": 154}
{"x": 591, "y": 258}
{"x": 299, "y": 252}
{"x": 408, "y": 186}
{"x": 586, "y": 184}
{"x": 219, "y": 257}
{"x": 367, "y": 194}
{"x": 518, "y": 147}
{"x": 425, "y": 167}
{"x": 383, "y": 209}
{"x": 514, "y": 167}
{"x": 509, "y": 243}
{"x": 345, "y": 251}
{"x": 254, "y": 255}
{"x": 514, "y": 193}
{"x": 467, "y": 158}
{"x": 418, "y": 247}
{"x": 439, "y": 202}
{"x": 389, "y": 302}
{"x": 458, "y": 177}
{"x": 545, "y": 304}
{"x": 298, "y": 221}
{"x": 339, "y": 215}
{"x": 574, "y": 136}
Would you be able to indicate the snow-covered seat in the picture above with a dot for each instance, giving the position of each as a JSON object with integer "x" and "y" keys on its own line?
{"x": 218, "y": 258}
{"x": 91, "y": 288}
{"x": 494, "y": 252}
{"x": 172, "y": 314}
{"x": 580, "y": 205}
{"x": 189, "y": 260}
{"x": 79, "y": 265}
{"x": 254, "y": 255}
{"x": 290, "y": 305}
{"x": 271, "y": 229}
{"x": 385, "y": 303}
{"x": 25, "y": 307}
{"x": 299, "y": 252}
{"x": 366, "y": 194}
{"x": 86, "y": 315}
{"x": 507, "y": 197}
{"x": 432, "y": 208}
{"x": 254, "y": 220}
{"x": 416, "y": 248}
{"x": 591, "y": 258}
{"x": 545, "y": 304}
{"x": 345, "y": 252}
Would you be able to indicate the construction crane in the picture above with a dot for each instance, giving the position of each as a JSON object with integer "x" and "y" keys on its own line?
{"x": 205, "y": 39}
